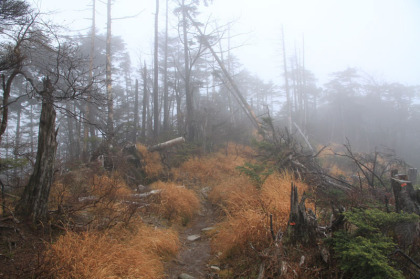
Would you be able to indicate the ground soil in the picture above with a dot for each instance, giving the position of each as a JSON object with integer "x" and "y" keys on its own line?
{"x": 194, "y": 256}
{"x": 21, "y": 247}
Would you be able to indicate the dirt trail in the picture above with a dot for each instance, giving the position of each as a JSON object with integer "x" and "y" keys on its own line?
{"x": 194, "y": 256}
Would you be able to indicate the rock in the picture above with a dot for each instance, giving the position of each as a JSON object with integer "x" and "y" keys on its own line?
{"x": 302, "y": 260}
{"x": 215, "y": 268}
{"x": 207, "y": 229}
{"x": 325, "y": 254}
{"x": 141, "y": 188}
{"x": 194, "y": 237}
{"x": 205, "y": 191}
{"x": 185, "y": 276}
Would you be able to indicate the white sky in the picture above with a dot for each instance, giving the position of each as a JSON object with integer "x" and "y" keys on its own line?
{"x": 380, "y": 37}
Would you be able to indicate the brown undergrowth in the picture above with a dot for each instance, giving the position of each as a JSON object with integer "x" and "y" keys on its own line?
{"x": 122, "y": 252}
{"x": 243, "y": 233}
{"x": 175, "y": 203}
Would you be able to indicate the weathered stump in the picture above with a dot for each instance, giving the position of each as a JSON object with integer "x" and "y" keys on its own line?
{"x": 406, "y": 198}
{"x": 302, "y": 224}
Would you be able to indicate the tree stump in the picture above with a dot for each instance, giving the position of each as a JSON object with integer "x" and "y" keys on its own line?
{"x": 302, "y": 224}
{"x": 406, "y": 198}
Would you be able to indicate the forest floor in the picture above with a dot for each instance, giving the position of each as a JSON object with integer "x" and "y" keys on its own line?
{"x": 21, "y": 249}
{"x": 193, "y": 259}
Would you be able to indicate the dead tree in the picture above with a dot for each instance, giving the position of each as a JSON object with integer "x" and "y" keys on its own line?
{"x": 302, "y": 224}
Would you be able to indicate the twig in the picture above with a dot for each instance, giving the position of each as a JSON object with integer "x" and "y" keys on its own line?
{"x": 405, "y": 256}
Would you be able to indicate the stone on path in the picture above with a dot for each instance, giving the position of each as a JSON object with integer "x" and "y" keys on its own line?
{"x": 207, "y": 229}
{"x": 215, "y": 268}
{"x": 194, "y": 237}
{"x": 185, "y": 276}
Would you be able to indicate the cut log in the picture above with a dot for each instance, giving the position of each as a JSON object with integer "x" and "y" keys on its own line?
{"x": 166, "y": 144}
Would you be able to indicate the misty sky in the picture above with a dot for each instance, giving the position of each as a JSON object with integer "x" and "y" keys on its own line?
{"x": 380, "y": 37}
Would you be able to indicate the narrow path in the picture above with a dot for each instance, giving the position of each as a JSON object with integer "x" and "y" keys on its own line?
{"x": 193, "y": 258}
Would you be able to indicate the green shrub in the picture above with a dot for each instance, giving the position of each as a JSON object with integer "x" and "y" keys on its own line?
{"x": 363, "y": 250}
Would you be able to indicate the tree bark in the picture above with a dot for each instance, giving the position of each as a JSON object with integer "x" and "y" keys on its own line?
{"x": 33, "y": 204}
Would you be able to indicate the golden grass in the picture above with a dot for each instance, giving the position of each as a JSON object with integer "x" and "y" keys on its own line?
{"x": 248, "y": 211}
{"x": 134, "y": 253}
{"x": 175, "y": 202}
{"x": 212, "y": 169}
{"x": 151, "y": 161}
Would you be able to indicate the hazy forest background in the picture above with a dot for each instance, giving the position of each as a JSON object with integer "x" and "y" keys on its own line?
{"x": 76, "y": 110}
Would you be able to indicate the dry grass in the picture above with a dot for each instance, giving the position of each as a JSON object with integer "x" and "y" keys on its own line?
{"x": 213, "y": 169}
{"x": 248, "y": 210}
{"x": 174, "y": 202}
{"x": 86, "y": 198}
{"x": 124, "y": 253}
{"x": 151, "y": 161}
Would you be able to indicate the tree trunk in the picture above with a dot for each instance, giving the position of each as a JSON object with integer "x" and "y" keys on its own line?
{"x": 136, "y": 112}
{"x": 7, "y": 87}
{"x": 88, "y": 110}
{"x": 110, "y": 99}
{"x": 286, "y": 84}
{"x": 70, "y": 134}
{"x": 145, "y": 105}
{"x": 33, "y": 204}
{"x": 189, "y": 119}
{"x": 165, "y": 76}
{"x": 156, "y": 77}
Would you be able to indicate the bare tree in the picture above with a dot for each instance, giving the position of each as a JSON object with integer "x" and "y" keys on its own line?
{"x": 156, "y": 76}
{"x": 110, "y": 98}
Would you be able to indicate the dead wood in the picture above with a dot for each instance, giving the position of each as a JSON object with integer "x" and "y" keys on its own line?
{"x": 302, "y": 225}
{"x": 406, "y": 198}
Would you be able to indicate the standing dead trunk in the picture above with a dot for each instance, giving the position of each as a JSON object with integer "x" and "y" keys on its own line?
{"x": 33, "y": 204}
{"x": 165, "y": 76}
{"x": 136, "y": 112}
{"x": 156, "y": 77}
{"x": 145, "y": 104}
{"x": 302, "y": 224}
{"x": 110, "y": 97}
{"x": 286, "y": 84}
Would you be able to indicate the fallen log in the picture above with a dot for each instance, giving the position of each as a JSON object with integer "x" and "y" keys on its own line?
{"x": 166, "y": 144}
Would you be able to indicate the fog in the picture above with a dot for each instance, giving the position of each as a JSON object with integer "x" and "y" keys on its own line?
{"x": 348, "y": 73}
{"x": 378, "y": 37}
